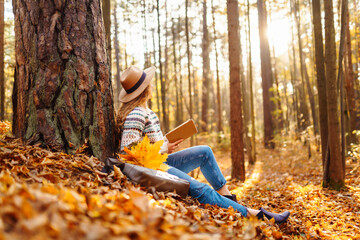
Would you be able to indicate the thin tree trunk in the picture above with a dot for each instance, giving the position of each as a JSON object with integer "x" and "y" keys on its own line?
{"x": 350, "y": 92}
{"x": 166, "y": 73}
{"x": 144, "y": 33}
{"x": 218, "y": 102}
{"x": 162, "y": 81}
{"x": 293, "y": 82}
{"x": 2, "y": 76}
{"x": 206, "y": 71}
{"x": 305, "y": 121}
{"x": 196, "y": 96}
{"x": 236, "y": 124}
{"x": 312, "y": 100}
{"x": 106, "y": 7}
{"x": 117, "y": 59}
{"x": 287, "y": 119}
{"x": 357, "y": 32}
{"x": 340, "y": 78}
{"x": 279, "y": 123}
{"x": 279, "y": 114}
{"x": 62, "y": 89}
{"x": 252, "y": 112}
{"x": 126, "y": 18}
{"x": 336, "y": 174}
{"x": 156, "y": 76}
{"x": 177, "y": 87}
{"x": 181, "y": 109}
{"x": 266, "y": 76}
{"x": 189, "y": 64}
{"x": 245, "y": 106}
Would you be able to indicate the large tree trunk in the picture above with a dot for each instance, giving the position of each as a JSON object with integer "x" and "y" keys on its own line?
{"x": 218, "y": 98}
{"x": 266, "y": 76}
{"x": 2, "y": 76}
{"x": 320, "y": 76}
{"x": 336, "y": 172}
{"x": 62, "y": 90}
{"x": 206, "y": 71}
{"x": 236, "y": 124}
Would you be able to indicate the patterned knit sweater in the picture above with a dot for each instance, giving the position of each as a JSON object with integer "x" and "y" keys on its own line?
{"x": 138, "y": 123}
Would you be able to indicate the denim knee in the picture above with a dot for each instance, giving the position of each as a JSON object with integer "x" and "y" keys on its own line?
{"x": 206, "y": 151}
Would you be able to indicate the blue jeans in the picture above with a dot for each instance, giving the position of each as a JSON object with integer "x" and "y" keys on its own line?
{"x": 185, "y": 161}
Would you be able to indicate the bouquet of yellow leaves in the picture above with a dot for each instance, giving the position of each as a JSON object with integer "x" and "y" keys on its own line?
{"x": 147, "y": 155}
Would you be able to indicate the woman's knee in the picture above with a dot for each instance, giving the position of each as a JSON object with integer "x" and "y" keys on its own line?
{"x": 206, "y": 150}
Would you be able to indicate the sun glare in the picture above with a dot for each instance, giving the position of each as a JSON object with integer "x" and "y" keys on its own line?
{"x": 279, "y": 33}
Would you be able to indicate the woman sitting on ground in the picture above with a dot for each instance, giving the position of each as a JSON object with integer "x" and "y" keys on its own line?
{"x": 136, "y": 120}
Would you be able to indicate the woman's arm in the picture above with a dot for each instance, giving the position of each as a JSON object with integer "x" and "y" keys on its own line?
{"x": 173, "y": 146}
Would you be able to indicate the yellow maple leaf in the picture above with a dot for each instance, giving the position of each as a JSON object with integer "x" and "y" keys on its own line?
{"x": 147, "y": 155}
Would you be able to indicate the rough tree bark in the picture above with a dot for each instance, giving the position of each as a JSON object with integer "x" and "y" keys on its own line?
{"x": 62, "y": 89}
{"x": 106, "y": 7}
{"x": 336, "y": 176}
{"x": 266, "y": 76}
{"x": 236, "y": 124}
{"x": 320, "y": 76}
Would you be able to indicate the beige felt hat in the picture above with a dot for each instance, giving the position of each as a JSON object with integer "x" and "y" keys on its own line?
{"x": 134, "y": 81}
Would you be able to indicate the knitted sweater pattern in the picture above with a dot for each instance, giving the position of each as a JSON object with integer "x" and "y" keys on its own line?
{"x": 138, "y": 123}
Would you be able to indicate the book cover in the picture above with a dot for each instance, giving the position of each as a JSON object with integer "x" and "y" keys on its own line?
{"x": 183, "y": 131}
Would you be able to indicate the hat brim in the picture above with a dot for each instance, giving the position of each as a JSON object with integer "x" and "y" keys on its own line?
{"x": 124, "y": 97}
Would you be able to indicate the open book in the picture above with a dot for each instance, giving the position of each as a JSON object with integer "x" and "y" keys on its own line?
{"x": 183, "y": 131}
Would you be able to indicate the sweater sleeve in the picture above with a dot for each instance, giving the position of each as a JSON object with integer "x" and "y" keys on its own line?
{"x": 164, "y": 147}
{"x": 133, "y": 128}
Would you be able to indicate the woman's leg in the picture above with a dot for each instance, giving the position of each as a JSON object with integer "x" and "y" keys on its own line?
{"x": 203, "y": 157}
{"x": 205, "y": 194}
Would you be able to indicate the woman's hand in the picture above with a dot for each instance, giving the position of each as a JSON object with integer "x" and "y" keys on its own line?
{"x": 173, "y": 146}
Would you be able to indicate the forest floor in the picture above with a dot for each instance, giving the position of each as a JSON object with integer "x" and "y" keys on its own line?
{"x": 47, "y": 194}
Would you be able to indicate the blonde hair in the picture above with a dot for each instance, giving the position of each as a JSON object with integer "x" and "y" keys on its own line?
{"x": 125, "y": 109}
